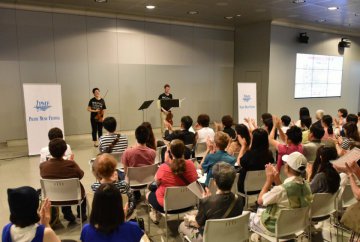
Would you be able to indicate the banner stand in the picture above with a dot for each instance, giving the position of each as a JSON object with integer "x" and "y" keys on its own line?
{"x": 247, "y": 106}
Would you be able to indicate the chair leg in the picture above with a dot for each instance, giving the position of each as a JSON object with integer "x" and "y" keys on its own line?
{"x": 81, "y": 222}
{"x": 148, "y": 212}
{"x": 166, "y": 226}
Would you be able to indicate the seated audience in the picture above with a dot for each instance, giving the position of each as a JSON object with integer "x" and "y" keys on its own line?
{"x": 176, "y": 171}
{"x": 140, "y": 154}
{"x": 353, "y": 172}
{"x": 53, "y": 134}
{"x": 226, "y": 122}
{"x": 242, "y": 142}
{"x": 186, "y": 136}
{"x": 276, "y": 198}
{"x": 352, "y": 118}
{"x": 351, "y": 134}
{"x": 342, "y": 114}
{"x": 305, "y": 128}
{"x": 105, "y": 172}
{"x": 25, "y": 222}
{"x": 112, "y": 142}
{"x": 327, "y": 124}
{"x": 151, "y": 142}
{"x": 59, "y": 168}
{"x": 318, "y": 115}
{"x": 107, "y": 218}
{"x": 310, "y": 148}
{"x": 223, "y": 204}
{"x": 207, "y": 163}
{"x": 256, "y": 158}
{"x": 203, "y": 132}
{"x": 285, "y": 123}
{"x": 304, "y": 111}
{"x": 324, "y": 178}
{"x": 292, "y": 140}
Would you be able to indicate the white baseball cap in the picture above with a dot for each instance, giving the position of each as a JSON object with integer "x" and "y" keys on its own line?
{"x": 296, "y": 161}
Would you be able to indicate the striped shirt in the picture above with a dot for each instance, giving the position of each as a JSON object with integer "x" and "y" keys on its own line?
{"x": 124, "y": 188}
{"x": 106, "y": 140}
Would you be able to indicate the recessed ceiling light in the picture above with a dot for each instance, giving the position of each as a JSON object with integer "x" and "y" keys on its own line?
{"x": 228, "y": 17}
{"x": 299, "y": 1}
{"x": 150, "y": 6}
{"x": 321, "y": 20}
{"x": 193, "y": 12}
{"x": 101, "y": 1}
{"x": 333, "y": 8}
{"x": 238, "y": 15}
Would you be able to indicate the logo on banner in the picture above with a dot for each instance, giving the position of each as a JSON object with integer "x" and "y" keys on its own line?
{"x": 42, "y": 105}
{"x": 246, "y": 98}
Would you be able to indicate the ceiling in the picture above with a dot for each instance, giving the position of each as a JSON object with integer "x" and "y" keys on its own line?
{"x": 213, "y": 12}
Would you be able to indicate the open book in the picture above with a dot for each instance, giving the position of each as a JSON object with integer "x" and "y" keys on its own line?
{"x": 353, "y": 155}
{"x": 197, "y": 189}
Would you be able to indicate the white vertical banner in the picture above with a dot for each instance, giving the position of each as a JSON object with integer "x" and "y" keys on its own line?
{"x": 43, "y": 111}
{"x": 247, "y": 101}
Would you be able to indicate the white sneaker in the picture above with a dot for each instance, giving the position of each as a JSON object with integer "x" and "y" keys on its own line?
{"x": 154, "y": 216}
{"x": 255, "y": 237}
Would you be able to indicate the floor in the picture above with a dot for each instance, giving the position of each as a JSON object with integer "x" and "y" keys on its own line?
{"x": 18, "y": 169}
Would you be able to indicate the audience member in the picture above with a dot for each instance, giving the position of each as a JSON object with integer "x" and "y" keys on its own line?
{"x": 105, "y": 172}
{"x": 223, "y": 204}
{"x": 112, "y": 142}
{"x": 352, "y": 118}
{"x": 358, "y": 122}
{"x": 278, "y": 197}
{"x": 207, "y": 163}
{"x": 318, "y": 115}
{"x": 151, "y": 142}
{"x": 327, "y": 124}
{"x": 186, "y": 136}
{"x": 342, "y": 114}
{"x": 309, "y": 149}
{"x": 25, "y": 222}
{"x": 305, "y": 128}
{"x": 285, "y": 123}
{"x": 256, "y": 158}
{"x": 58, "y": 168}
{"x": 304, "y": 111}
{"x": 242, "y": 142}
{"x": 324, "y": 178}
{"x": 203, "y": 132}
{"x": 107, "y": 218}
{"x": 353, "y": 172}
{"x": 226, "y": 122}
{"x": 351, "y": 134}
{"x": 176, "y": 171}
{"x": 53, "y": 134}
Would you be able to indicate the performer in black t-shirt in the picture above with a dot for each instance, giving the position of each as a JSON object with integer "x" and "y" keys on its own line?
{"x": 96, "y": 108}
{"x": 165, "y": 111}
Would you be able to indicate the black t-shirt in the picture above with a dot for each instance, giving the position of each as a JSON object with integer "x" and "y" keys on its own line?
{"x": 96, "y": 104}
{"x": 163, "y": 96}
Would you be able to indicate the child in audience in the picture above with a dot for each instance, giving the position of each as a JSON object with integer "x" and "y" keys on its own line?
{"x": 107, "y": 218}
{"x": 25, "y": 222}
{"x": 327, "y": 124}
{"x": 203, "y": 132}
{"x": 285, "y": 121}
{"x": 225, "y": 126}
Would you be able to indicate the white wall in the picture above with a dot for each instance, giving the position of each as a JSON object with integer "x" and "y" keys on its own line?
{"x": 283, "y": 49}
{"x": 131, "y": 59}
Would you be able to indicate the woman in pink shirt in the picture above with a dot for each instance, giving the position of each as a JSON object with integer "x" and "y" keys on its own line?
{"x": 292, "y": 140}
{"x": 327, "y": 123}
{"x": 176, "y": 171}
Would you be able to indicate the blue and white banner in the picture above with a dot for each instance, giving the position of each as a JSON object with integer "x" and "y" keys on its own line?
{"x": 247, "y": 101}
{"x": 43, "y": 111}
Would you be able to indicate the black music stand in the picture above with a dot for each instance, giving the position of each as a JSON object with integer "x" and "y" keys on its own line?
{"x": 144, "y": 106}
{"x": 169, "y": 103}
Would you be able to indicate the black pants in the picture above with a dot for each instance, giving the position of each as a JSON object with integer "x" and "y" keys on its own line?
{"x": 96, "y": 128}
{"x": 66, "y": 210}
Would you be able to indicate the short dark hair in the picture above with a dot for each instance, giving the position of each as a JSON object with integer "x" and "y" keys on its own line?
{"x": 294, "y": 134}
{"x": 187, "y": 122}
{"x": 94, "y": 89}
{"x": 265, "y": 116}
{"x": 57, "y": 147}
{"x": 107, "y": 211}
{"x": 351, "y": 118}
{"x": 260, "y": 140}
{"x": 343, "y": 112}
{"x": 55, "y": 133}
{"x": 221, "y": 140}
{"x": 224, "y": 175}
{"x": 110, "y": 124}
{"x": 317, "y": 131}
{"x": 166, "y": 85}
{"x": 243, "y": 131}
{"x": 227, "y": 121}
{"x": 203, "y": 120}
{"x": 351, "y": 131}
{"x": 306, "y": 121}
{"x": 304, "y": 111}
{"x": 286, "y": 120}
{"x": 141, "y": 134}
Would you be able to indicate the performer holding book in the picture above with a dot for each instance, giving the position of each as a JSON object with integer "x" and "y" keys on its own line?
{"x": 96, "y": 108}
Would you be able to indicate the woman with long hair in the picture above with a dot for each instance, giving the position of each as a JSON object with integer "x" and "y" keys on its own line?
{"x": 241, "y": 142}
{"x": 343, "y": 144}
{"x": 176, "y": 171}
{"x": 151, "y": 142}
{"x": 327, "y": 124}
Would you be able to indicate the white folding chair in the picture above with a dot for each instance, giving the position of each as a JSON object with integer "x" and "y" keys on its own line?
{"x": 234, "y": 188}
{"x": 140, "y": 177}
{"x": 321, "y": 208}
{"x": 200, "y": 149}
{"x": 253, "y": 183}
{"x": 290, "y": 223}
{"x": 227, "y": 229}
{"x": 117, "y": 156}
{"x": 63, "y": 192}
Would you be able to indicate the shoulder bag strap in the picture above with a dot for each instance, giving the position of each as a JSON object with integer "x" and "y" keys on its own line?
{"x": 181, "y": 176}
{"x": 111, "y": 146}
{"x": 230, "y": 208}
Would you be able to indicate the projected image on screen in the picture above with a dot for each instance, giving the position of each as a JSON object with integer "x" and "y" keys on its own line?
{"x": 318, "y": 76}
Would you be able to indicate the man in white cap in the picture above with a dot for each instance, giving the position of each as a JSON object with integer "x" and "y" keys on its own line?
{"x": 293, "y": 193}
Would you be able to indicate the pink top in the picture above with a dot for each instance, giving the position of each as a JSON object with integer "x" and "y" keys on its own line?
{"x": 168, "y": 179}
{"x": 327, "y": 136}
{"x": 284, "y": 149}
{"x": 138, "y": 156}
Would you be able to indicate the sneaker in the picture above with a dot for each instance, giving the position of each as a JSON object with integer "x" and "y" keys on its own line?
{"x": 154, "y": 216}
{"x": 255, "y": 237}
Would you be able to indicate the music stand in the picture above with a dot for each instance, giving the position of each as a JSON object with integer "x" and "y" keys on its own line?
{"x": 169, "y": 103}
{"x": 144, "y": 106}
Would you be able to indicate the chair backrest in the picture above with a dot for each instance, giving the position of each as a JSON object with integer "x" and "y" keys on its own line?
{"x": 61, "y": 190}
{"x": 346, "y": 197}
{"x": 158, "y": 153}
{"x": 178, "y": 197}
{"x": 323, "y": 204}
{"x": 142, "y": 175}
{"x": 117, "y": 156}
{"x": 254, "y": 180}
{"x": 228, "y": 229}
{"x": 234, "y": 188}
{"x": 200, "y": 149}
{"x": 190, "y": 146}
{"x": 292, "y": 221}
